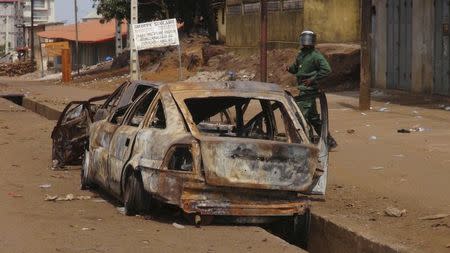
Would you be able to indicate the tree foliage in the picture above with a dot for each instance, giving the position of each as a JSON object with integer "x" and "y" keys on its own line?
{"x": 184, "y": 10}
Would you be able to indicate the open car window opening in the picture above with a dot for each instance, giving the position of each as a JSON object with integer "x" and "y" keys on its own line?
{"x": 242, "y": 117}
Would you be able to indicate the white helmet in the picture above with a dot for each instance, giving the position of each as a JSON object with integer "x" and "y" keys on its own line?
{"x": 308, "y": 38}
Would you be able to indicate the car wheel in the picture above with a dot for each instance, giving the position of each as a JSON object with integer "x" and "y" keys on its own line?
{"x": 136, "y": 199}
{"x": 84, "y": 178}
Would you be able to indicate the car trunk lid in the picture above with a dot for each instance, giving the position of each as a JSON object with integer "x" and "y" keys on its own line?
{"x": 258, "y": 164}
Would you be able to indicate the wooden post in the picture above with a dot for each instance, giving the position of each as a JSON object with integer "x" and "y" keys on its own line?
{"x": 32, "y": 31}
{"x": 365, "y": 84}
{"x": 77, "y": 53}
{"x": 263, "y": 42}
{"x": 66, "y": 66}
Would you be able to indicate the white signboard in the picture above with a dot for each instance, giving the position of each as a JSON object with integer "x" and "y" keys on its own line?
{"x": 155, "y": 34}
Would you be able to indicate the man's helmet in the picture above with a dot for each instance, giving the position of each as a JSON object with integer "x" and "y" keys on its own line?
{"x": 308, "y": 38}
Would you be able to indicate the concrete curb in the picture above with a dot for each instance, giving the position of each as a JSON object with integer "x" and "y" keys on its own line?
{"x": 328, "y": 236}
{"x": 41, "y": 109}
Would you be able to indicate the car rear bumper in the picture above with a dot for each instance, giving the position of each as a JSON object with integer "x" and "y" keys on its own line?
{"x": 206, "y": 200}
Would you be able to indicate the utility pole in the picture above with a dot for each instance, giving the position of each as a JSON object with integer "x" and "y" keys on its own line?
{"x": 134, "y": 56}
{"x": 77, "y": 55}
{"x": 32, "y": 31}
{"x": 119, "y": 45}
{"x": 7, "y": 35}
{"x": 366, "y": 26}
{"x": 263, "y": 42}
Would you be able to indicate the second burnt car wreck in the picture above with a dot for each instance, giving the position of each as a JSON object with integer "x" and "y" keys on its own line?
{"x": 229, "y": 149}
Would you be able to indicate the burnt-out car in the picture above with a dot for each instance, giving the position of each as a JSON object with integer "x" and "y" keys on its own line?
{"x": 230, "y": 149}
{"x": 71, "y": 133}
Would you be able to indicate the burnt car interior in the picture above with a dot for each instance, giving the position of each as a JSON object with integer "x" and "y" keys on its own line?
{"x": 181, "y": 159}
{"x": 242, "y": 117}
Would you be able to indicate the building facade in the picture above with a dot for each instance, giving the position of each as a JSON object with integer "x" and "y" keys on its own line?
{"x": 334, "y": 21}
{"x": 11, "y": 30}
{"x": 410, "y": 46}
{"x": 44, "y": 12}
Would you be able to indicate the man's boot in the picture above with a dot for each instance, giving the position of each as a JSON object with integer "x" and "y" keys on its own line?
{"x": 332, "y": 144}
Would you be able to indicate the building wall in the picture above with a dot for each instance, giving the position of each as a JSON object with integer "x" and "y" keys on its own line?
{"x": 423, "y": 37}
{"x": 222, "y": 23}
{"x": 379, "y": 45}
{"x": 91, "y": 54}
{"x": 423, "y": 46}
{"x": 44, "y": 12}
{"x": 333, "y": 20}
{"x": 8, "y": 20}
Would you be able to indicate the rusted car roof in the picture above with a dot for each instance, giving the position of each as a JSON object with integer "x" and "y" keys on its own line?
{"x": 248, "y": 86}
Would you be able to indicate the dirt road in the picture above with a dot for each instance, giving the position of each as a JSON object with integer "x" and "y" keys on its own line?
{"x": 373, "y": 168}
{"x": 376, "y": 167}
{"x": 30, "y": 224}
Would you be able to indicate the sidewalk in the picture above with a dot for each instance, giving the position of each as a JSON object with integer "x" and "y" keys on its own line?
{"x": 373, "y": 168}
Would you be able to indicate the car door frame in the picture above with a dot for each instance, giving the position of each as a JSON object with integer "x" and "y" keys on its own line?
{"x": 114, "y": 171}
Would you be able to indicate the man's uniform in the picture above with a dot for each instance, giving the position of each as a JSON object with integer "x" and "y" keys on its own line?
{"x": 309, "y": 67}
{"x": 310, "y": 64}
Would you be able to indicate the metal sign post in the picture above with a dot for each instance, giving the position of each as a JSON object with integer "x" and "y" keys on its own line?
{"x": 180, "y": 75}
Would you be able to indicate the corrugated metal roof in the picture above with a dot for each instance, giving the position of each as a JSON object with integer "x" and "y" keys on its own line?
{"x": 92, "y": 31}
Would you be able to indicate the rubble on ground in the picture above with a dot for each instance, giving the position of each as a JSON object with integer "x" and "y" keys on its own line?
{"x": 17, "y": 68}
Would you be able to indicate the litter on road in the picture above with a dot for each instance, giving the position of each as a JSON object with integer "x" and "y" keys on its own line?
{"x": 45, "y": 186}
{"x": 68, "y": 197}
{"x": 435, "y": 216}
{"x": 179, "y": 226}
{"x": 394, "y": 212}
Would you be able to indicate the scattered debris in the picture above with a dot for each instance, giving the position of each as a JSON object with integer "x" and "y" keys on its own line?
{"x": 121, "y": 210}
{"x": 377, "y": 168}
{"x": 99, "y": 200}
{"x": 83, "y": 197}
{"x": 398, "y": 155}
{"x": 447, "y": 108}
{"x": 372, "y": 138}
{"x": 364, "y": 114}
{"x": 394, "y": 212}
{"x": 411, "y": 130}
{"x": 17, "y": 69}
{"x": 448, "y": 245}
{"x": 435, "y": 216}
{"x": 50, "y": 197}
{"x": 45, "y": 186}
{"x": 68, "y": 197}
{"x": 383, "y": 109}
{"x": 15, "y": 195}
{"x": 145, "y": 241}
{"x": 440, "y": 225}
{"x": 351, "y": 131}
{"x": 179, "y": 226}
{"x": 87, "y": 229}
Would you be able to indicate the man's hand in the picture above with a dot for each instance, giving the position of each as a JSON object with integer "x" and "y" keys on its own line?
{"x": 307, "y": 82}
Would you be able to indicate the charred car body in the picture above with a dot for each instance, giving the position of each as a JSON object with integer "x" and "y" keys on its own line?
{"x": 239, "y": 149}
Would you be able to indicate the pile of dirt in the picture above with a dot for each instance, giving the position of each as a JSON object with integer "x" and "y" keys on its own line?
{"x": 344, "y": 60}
{"x": 17, "y": 68}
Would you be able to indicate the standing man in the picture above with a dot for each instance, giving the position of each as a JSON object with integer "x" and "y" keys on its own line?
{"x": 309, "y": 67}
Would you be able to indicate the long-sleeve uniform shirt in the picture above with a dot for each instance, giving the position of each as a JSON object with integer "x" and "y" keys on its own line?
{"x": 310, "y": 64}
